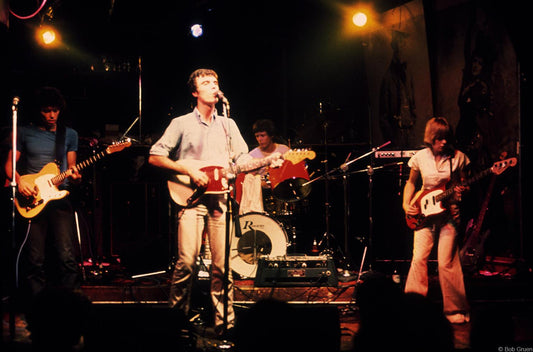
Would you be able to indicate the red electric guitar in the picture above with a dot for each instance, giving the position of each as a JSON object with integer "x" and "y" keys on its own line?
{"x": 186, "y": 194}
{"x": 429, "y": 201}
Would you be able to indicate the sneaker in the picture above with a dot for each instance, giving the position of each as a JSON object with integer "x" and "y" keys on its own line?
{"x": 458, "y": 318}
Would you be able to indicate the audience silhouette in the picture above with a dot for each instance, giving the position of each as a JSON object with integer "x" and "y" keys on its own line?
{"x": 393, "y": 320}
{"x": 58, "y": 320}
{"x": 274, "y": 325}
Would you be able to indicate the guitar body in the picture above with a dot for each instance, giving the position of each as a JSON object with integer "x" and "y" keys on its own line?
{"x": 429, "y": 205}
{"x": 29, "y": 207}
{"x": 472, "y": 249}
{"x": 181, "y": 188}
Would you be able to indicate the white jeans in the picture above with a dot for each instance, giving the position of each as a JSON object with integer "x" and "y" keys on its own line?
{"x": 449, "y": 266}
{"x": 191, "y": 223}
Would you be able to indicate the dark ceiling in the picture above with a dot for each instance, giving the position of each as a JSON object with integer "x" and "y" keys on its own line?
{"x": 278, "y": 59}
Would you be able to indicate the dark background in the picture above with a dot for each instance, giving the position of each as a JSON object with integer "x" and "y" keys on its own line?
{"x": 277, "y": 59}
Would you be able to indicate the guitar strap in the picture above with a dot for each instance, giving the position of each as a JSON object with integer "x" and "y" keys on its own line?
{"x": 60, "y": 144}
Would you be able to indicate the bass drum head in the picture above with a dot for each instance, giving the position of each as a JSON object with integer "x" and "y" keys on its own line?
{"x": 259, "y": 235}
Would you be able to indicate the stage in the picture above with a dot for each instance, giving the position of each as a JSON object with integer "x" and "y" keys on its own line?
{"x": 126, "y": 306}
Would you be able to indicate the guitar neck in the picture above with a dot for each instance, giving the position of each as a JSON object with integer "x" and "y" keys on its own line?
{"x": 253, "y": 165}
{"x": 58, "y": 179}
{"x": 447, "y": 193}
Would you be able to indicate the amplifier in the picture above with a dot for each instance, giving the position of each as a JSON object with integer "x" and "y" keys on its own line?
{"x": 296, "y": 271}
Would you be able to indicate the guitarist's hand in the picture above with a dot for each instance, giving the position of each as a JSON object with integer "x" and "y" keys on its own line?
{"x": 410, "y": 209}
{"x": 27, "y": 189}
{"x": 74, "y": 175}
{"x": 458, "y": 192}
{"x": 199, "y": 178}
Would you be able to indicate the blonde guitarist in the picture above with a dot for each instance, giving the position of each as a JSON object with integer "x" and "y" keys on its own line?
{"x": 47, "y": 253}
{"x": 435, "y": 166}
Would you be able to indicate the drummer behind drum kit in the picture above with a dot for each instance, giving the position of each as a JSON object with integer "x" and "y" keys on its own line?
{"x": 263, "y": 234}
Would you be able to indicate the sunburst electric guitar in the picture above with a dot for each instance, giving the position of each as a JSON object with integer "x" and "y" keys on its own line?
{"x": 186, "y": 194}
{"x": 49, "y": 178}
{"x": 429, "y": 201}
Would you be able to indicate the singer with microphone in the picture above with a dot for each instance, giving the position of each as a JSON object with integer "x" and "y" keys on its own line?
{"x": 189, "y": 143}
{"x": 436, "y": 165}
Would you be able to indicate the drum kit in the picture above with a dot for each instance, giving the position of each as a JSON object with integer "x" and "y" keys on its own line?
{"x": 267, "y": 233}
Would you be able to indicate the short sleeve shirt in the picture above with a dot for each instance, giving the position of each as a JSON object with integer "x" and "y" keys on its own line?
{"x": 433, "y": 174}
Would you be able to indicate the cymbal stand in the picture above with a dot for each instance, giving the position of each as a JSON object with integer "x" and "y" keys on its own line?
{"x": 327, "y": 235}
{"x": 370, "y": 171}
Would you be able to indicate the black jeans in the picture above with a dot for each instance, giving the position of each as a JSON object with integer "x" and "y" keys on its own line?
{"x": 47, "y": 253}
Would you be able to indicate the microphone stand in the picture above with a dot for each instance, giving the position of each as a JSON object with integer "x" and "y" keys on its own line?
{"x": 229, "y": 222}
{"x": 13, "y": 185}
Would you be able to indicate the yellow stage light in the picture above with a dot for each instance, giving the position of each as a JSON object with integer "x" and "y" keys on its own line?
{"x": 359, "y": 19}
{"x": 47, "y": 36}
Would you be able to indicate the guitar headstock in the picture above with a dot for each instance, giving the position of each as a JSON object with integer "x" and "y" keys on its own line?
{"x": 297, "y": 155}
{"x": 502, "y": 165}
{"x": 118, "y": 146}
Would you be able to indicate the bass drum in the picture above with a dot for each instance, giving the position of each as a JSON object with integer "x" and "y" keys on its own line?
{"x": 259, "y": 235}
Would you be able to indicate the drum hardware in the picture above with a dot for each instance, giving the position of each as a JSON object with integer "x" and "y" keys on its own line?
{"x": 327, "y": 234}
{"x": 369, "y": 170}
{"x": 329, "y": 175}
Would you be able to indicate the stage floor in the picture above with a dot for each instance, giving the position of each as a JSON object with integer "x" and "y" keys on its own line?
{"x": 123, "y": 298}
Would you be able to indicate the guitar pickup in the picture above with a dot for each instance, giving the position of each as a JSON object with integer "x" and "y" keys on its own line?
{"x": 34, "y": 204}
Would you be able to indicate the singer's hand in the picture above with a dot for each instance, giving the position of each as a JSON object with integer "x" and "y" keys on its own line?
{"x": 199, "y": 178}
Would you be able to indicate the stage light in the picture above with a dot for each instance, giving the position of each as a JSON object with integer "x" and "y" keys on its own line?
{"x": 359, "y": 19}
{"x": 197, "y": 30}
{"x": 47, "y": 36}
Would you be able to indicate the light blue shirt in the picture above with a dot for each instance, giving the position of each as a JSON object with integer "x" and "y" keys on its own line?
{"x": 188, "y": 137}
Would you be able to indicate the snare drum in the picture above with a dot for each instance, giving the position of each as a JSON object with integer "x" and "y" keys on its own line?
{"x": 260, "y": 235}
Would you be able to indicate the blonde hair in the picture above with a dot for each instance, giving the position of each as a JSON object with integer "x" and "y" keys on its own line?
{"x": 437, "y": 128}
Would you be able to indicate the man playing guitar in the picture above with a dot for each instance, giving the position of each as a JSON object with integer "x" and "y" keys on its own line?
{"x": 190, "y": 143}
{"x": 46, "y": 140}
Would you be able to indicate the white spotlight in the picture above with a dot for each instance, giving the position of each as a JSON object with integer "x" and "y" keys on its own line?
{"x": 197, "y": 30}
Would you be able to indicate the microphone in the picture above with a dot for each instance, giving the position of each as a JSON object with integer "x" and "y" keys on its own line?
{"x": 222, "y": 98}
